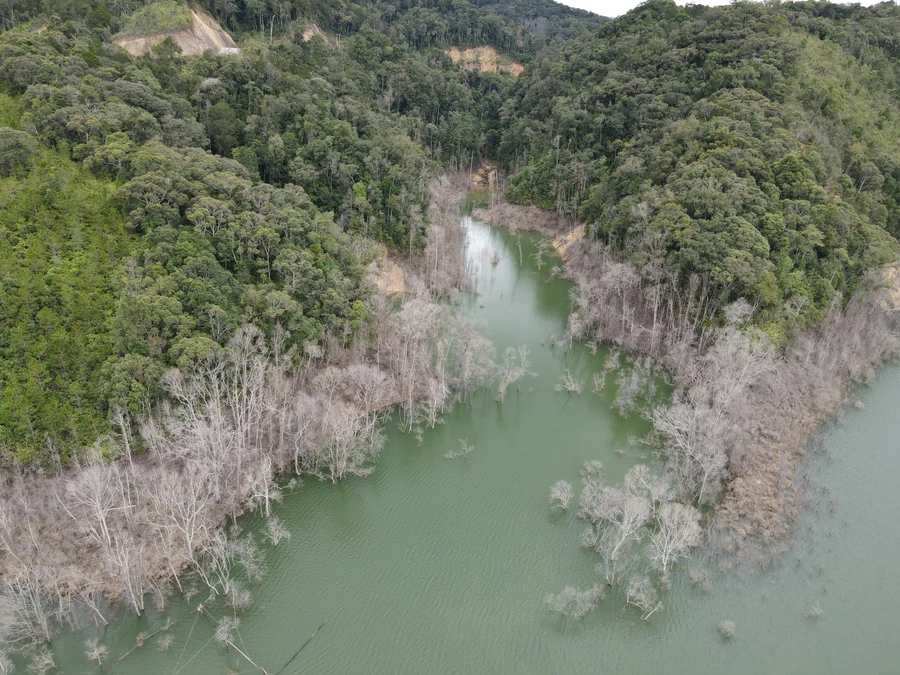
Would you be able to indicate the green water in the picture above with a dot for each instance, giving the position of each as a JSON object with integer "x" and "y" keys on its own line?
{"x": 435, "y": 565}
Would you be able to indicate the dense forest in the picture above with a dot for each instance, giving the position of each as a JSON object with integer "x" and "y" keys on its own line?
{"x": 754, "y": 147}
{"x": 209, "y": 191}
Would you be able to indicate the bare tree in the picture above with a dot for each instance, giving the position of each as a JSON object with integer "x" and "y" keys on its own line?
{"x": 678, "y": 531}
{"x": 727, "y": 629}
{"x": 276, "y": 531}
{"x": 575, "y": 603}
{"x": 512, "y": 368}
{"x": 368, "y": 386}
{"x": 569, "y": 384}
{"x": 126, "y": 559}
{"x": 92, "y": 498}
{"x": 463, "y": 451}
{"x": 226, "y": 559}
{"x": 262, "y": 486}
{"x": 656, "y": 489}
{"x": 94, "y": 651}
{"x": 619, "y": 520}
{"x": 25, "y": 615}
{"x": 695, "y": 448}
{"x": 41, "y": 662}
{"x": 348, "y": 443}
{"x": 180, "y": 513}
{"x": 560, "y": 495}
{"x": 643, "y": 595}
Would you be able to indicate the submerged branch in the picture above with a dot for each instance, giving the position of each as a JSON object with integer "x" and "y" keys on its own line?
{"x": 297, "y": 653}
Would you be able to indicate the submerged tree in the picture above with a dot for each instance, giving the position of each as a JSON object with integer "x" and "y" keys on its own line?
{"x": 512, "y": 368}
{"x": 642, "y": 594}
{"x": 573, "y": 602}
{"x": 678, "y": 531}
{"x": 560, "y": 495}
{"x": 636, "y": 529}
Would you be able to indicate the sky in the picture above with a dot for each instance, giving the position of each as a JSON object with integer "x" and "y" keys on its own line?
{"x": 613, "y": 8}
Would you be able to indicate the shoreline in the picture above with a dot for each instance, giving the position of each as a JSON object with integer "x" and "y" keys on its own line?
{"x": 766, "y": 426}
{"x": 231, "y": 433}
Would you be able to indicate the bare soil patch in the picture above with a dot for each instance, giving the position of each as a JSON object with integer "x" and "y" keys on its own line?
{"x": 484, "y": 59}
{"x": 204, "y": 33}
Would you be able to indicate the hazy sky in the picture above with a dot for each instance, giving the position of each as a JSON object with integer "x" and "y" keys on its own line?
{"x": 618, "y": 7}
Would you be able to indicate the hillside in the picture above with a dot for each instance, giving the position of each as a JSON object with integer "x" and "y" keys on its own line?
{"x": 755, "y": 154}
{"x": 516, "y": 28}
{"x": 201, "y": 33}
{"x": 748, "y": 149}
{"x": 237, "y": 189}
{"x": 484, "y": 60}
{"x": 727, "y": 144}
{"x": 200, "y": 202}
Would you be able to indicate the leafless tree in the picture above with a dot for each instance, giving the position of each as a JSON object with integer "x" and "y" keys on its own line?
{"x": 619, "y": 520}
{"x": 276, "y": 531}
{"x": 444, "y": 260}
{"x": 512, "y": 368}
{"x": 678, "y": 531}
{"x": 25, "y": 614}
{"x": 463, "y": 451}
{"x": 642, "y": 595}
{"x": 227, "y": 558}
{"x": 127, "y": 563}
{"x": 560, "y": 495}
{"x": 263, "y": 488}
{"x": 569, "y": 384}
{"x": 94, "y": 651}
{"x": 655, "y": 488}
{"x": 180, "y": 513}
{"x": 348, "y": 443}
{"x": 41, "y": 662}
{"x": 575, "y": 603}
{"x": 92, "y": 498}
{"x": 727, "y": 629}
{"x": 695, "y": 448}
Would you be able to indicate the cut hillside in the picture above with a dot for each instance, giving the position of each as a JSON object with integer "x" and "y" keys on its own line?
{"x": 484, "y": 59}
{"x": 202, "y": 33}
{"x": 312, "y": 30}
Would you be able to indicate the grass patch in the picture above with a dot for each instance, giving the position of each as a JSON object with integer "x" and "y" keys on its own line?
{"x": 10, "y": 111}
{"x": 160, "y": 17}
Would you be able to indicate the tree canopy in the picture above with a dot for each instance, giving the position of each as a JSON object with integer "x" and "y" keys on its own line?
{"x": 737, "y": 144}
{"x": 154, "y": 204}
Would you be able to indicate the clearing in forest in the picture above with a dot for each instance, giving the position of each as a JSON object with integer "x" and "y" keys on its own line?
{"x": 194, "y": 38}
{"x": 484, "y": 59}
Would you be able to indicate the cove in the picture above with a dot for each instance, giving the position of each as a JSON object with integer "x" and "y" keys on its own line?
{"x": 437, "y": 565}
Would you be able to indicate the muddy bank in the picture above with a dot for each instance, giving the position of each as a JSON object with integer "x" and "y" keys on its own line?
{"x": 564, "y": 232}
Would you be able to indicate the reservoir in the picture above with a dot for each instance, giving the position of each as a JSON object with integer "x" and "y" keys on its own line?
{"x": 440, "y": 565}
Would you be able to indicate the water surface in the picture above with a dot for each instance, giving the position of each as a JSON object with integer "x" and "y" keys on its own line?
{"x": 436, "y": 565}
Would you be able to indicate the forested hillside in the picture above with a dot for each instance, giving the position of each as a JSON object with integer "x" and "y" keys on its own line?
{"x": 211, "y": 191}
{"x": 752, "y": 147}
{"x": 519, "y": 28}
{"x": 735, "y": 170}
{"x": 185, "y": 313}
